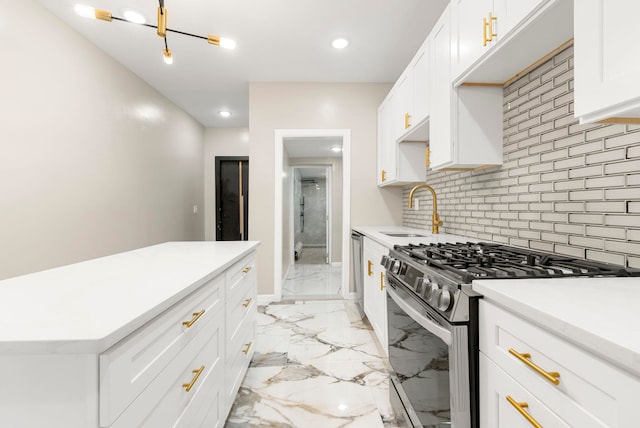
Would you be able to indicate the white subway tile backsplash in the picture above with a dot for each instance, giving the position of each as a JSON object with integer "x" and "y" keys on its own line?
{"x": 564, "y": 187}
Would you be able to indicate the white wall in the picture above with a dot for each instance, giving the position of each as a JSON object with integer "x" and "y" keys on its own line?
{"x": 315, "y": 106}
{"x": 220, "y": 142}
{"x": 93, "y": 161}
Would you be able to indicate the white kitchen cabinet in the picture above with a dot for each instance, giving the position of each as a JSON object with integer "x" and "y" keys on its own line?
{"x": 398, "y": 163}
{"x": 375, "y": 295}
{"x": 411, "y": 109}
{"x": 493, "y": 41}
{"x": 242, "y": 312}
{"x": 146, "y": 338}
{"x": 606, "y": 71}
{"x": 563, "y": 384}
{"x": 465, "y": 122}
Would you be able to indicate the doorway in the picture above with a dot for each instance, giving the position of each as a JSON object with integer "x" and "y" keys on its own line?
{"x": 311, "y": 214}
{"x": 287, "y": 141}
{"x": 232, "y": 198}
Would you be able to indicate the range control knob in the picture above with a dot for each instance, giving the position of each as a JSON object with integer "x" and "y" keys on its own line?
{"x": 384, "y": 261}
{"x": 419, "y": 285}
{"x": 431, "y": 292}
{"x": 445, "y": 300}
{"x": 395, "y": 266}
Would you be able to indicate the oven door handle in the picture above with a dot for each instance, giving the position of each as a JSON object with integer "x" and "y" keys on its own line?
{"x": 434, "y": 328}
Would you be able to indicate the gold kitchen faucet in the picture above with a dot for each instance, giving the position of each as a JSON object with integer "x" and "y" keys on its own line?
{"x": 435, "y": 220}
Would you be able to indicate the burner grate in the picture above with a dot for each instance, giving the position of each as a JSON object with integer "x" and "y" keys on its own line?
{"x": 471, "y": 260}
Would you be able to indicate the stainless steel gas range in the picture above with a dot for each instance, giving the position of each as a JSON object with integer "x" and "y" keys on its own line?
{"x": 432, "y": 322}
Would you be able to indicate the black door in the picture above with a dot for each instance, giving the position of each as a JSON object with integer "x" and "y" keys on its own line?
{"x": 232, "y": 198}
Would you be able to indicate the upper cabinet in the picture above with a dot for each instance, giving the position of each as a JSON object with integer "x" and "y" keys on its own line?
{"x": 495, "y": 40}
{"x": 607, "y": 87}
{"x": 466, "y": 122}
{"x": 478, "y": 25}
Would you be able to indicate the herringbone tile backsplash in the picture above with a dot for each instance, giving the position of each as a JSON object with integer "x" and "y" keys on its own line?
{"x": 564, "y": 187}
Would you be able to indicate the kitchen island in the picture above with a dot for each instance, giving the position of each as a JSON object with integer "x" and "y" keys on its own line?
{"x": 134, "y": 339}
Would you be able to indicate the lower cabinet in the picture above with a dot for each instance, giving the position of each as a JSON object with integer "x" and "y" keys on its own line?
{"x": 375, "y": 295}
{"x": 529, "y": 375}
{"x": 182, "y": 369}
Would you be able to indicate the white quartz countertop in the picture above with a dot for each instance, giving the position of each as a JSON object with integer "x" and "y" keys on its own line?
{"x": 87, "y": 307}
{"x": 378, "y": 234}
{"x": 599, "y": 314}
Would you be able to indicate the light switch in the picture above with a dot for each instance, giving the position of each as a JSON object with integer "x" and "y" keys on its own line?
{"x": 416, "y": 204}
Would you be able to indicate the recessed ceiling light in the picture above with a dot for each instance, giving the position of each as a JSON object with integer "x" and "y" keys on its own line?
{"x": 336, "y": 149}
{"x": 224, "y": 113}
{"x": 227, "y": 43}
{"x": 340, "y": 43}
{"x": 133, "y": 16}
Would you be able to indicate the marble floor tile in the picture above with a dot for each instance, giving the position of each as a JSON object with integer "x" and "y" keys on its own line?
{"x": 317, "y": 364}
{"x": 318, "y": 280}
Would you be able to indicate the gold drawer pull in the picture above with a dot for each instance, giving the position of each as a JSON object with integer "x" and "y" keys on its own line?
{"x": 245, "y": 351}
{"x": 246, "y": 270}
{"x": 381, "y": 281}
{"x": 550, "y": 376}
{"x": 198, "y": 372}
{"x": 247, "y": 302}
{"x": 369, "y": 267}
{"x": 520, "y": 408}
{"x": 407, "y": 120}
{"x": 196, "y": 316}
{"x": 384, "y": 175}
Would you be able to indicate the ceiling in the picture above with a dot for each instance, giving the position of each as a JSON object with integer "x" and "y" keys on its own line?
{"x": 277, "y": 41}
{"x": 313, "y": 147}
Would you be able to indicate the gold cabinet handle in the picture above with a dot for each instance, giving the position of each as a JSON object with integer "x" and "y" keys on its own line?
{"x": 369, "y": 268}
{"x": 407, "y": 120}
{"x": 247, "y": 302}
{"x": 197, "y": 372}
{"x": 550, "y": 376}
{"x": 485, "y": 24}
{"x": 247, "y": 346}
{"x": 520, "y": 408}
{"x": 384, "y": 175}
{"x": 492, "y": 19}
{"x": 381, "y": 281}
{"x": 196, "y": 316}
{"x": 246, "y": 270}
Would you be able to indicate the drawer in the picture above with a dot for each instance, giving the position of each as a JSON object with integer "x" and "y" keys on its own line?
{"x": 166, "y": 401}
{"x": 240, "y": 270}
{"x": 130, "y": 366}
{"x": 602, "y": 391}
{"x": 239, "y": 356}
{"x": 497, "y": 412}
{"x": 241, "y": 307}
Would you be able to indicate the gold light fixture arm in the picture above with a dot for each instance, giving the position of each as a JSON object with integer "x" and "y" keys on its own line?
{"x": 103, "y": 15}
{"x": 435, "y": 220}
{"x": 162, "y": 21}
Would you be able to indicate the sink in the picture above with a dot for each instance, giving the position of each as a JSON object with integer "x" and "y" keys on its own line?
{"x": 404, "y": 235}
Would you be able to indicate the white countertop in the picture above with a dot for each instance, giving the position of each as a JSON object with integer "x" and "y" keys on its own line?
{"x": 376, "y": 233}
{"x": 599, "y": 314}
{"x": 87, "y": 307}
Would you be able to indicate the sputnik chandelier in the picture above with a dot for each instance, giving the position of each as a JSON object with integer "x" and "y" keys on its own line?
{"x": 161, "y": 28}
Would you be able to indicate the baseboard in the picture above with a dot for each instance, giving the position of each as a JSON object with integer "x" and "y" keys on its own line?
{"x": 265, "y": 299}
{"x": 353, "y": 296}
{"x": 336, "y": 264}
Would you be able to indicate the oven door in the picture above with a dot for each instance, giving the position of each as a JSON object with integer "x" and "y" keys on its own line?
{"x": 429, "y": 363}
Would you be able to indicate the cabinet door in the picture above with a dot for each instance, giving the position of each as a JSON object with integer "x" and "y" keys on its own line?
{"x": 606, "y": 72}
{"x": 496, "y": 411}
{"x": 401, "y": 105}
{"x": 468, "y": 19}
{"x": 369, "y": 278}
{"x": 380, "y": 304}
{"x": 375, "y": 304}
{"x": 509, "y": 13}
{"x": 387, "y": 157}
{"x": 440, "y": 144}
{"x": 420, "y": 83}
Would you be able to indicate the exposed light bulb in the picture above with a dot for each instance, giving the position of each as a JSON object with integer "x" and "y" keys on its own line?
{"x": 227, "y": 43}
{"x": 85, "y": 11}
{"x": 168, "y": 59}
{"x": 340, "y": 43}
{"x": 224, "y": 113}
{"x": 133, "y": 16}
